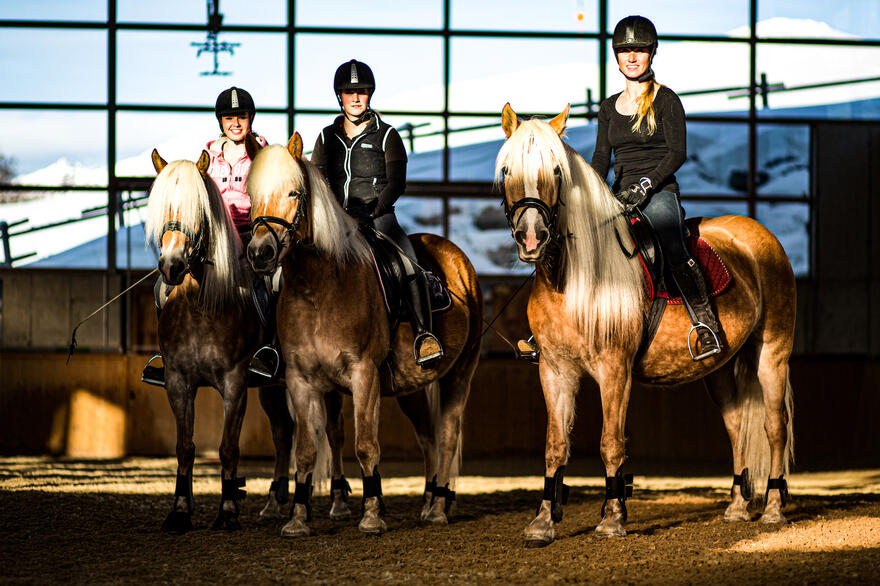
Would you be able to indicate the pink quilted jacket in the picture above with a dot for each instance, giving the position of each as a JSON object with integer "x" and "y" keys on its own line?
{"x": 231, "y": 180}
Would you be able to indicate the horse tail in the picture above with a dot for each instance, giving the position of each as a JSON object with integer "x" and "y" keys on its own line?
{"x": 753, "y": 446}
{"x": 433, "y": 393}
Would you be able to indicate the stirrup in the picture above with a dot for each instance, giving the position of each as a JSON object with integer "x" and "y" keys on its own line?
{"x": 527, "y": 350}
{"x": 154, "y": 375}
{"x": 265, "y": 367}
{"x": 427, "y": 349}
{"x": 711, "y": 351}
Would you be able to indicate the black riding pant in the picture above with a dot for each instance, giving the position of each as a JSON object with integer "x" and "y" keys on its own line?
{"x": 666, "y": 217}
{"x": 387, "y": 224}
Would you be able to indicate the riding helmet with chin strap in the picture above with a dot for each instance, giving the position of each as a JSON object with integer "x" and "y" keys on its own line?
{"x": 234, "y": 101}
{"x": 354, "y": 75}
{"x": 636, "y": 32}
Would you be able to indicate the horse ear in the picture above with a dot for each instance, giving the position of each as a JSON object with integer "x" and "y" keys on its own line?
{"x": 204, "y": 163}
{"x": 252, "y": 146}
{"x": 558, "y": 123}
{"x": 158, "y": 162}
{"x": 295, "y": 146}
{"x": 509, "y": 121}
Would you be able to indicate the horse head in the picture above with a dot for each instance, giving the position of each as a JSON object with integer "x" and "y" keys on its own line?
{"x": 530, "y": 167}
{"x": 278, "y": 184}
{"x": 181, "y": 238}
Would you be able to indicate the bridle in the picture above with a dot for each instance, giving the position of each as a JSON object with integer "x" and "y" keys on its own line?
{"x": 289, "y": 234}
{"x": 549, "y": 214}
{"x": 196, "y": 239}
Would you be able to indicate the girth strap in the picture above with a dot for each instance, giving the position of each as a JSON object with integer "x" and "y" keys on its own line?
{"x": 373, "y": 488}
{"x": 620, "y": 487}
{"x": 779, "y": 484}
{"x": 556, "y": 491}
{"x": 744, "y": 483}
{"x": 281, "y": 488}
{"x": 302, "y": 495}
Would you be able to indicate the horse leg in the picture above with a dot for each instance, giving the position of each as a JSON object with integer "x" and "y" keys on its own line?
{"x": 339, "y": 487}
{"x": 774, "y": 378}
{"x": 181, "y": 397}
{"x": 274, "y": 402}
{"x": 309, "y": 411}
{"x": 615, "y": 384}
{"x": 234, "y": 393}
{"x": 417, "y": 408}
{"x": 365, "y": 395}
{"x": 560, "y": 385}
{"x": 722, "y": 387}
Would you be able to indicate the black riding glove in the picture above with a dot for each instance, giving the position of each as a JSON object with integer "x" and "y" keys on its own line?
{"x": 636, "y": 194}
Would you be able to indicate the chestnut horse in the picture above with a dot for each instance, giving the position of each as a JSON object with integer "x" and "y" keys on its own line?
{"x": 208, "y": 332}
{"x": 336, "y": 336}
{"x": 587, "y": 316}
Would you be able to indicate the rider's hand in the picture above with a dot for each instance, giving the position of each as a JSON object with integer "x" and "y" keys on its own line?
{"x": 636, "y": 194}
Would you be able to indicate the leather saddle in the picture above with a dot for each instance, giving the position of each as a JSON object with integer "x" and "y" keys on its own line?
{"x": 391, "y": 276}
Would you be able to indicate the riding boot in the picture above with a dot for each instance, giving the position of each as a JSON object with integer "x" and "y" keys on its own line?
{"x": 426, "y": 346}
{"x": 695, "y": 297}
{"x": 264, "y": 365}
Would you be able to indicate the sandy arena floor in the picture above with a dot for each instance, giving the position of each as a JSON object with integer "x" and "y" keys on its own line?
{"x": 98, "y": 522}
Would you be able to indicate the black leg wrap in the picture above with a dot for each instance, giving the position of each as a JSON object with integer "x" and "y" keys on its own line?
{"x": 443, "y": 491}
{"x": 183, "y": 486}
{"x": 341, "y": 484}
{"x": 282, "y": 490}
{"x": 779, "y": 484}
{"x": 620, "y": 487}
{"x": 232, "y": 488}
{"x": 744, "y": 483}
{"x": 431, "y": 485}
{"x": 555, "y": 491}
{"x": 373, "y": 488}
{"x": 302, "y": 495}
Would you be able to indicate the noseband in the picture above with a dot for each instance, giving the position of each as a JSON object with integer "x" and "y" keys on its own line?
{"x": 301, "y": 196}
{"x": 550, "y": 215}
{"x": 196, "y": 242}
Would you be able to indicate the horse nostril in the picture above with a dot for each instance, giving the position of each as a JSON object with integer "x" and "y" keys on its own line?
{"x": 542, "y": 235}
{"x": 519, "y": 236}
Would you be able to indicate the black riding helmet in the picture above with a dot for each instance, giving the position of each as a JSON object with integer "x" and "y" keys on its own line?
{"x": 234, "y": 101}
{"x": 636, "y": 32}
{"x": 354, "y": 75}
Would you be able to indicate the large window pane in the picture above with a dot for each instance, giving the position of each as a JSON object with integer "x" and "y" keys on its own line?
{"x": 252, "y": 12}
{"x": 681, "y": 17}
{"x": 717, "y": 161}
{"x": 783, "y": 160}
{"x": 790, "y": 222}
{"x": 53, "y": 65}
{"x": 424, "y": 14}
{"x": 176, "y": 136}
{"x": 81, "y": 10}
{"x": 52, "y": 147}
{"x": 408, "y": 70}
{"x": 781, "y": 18}
{"x": 162, "y": 68}
{"x": 479, "y": 228}
{"x": 534, "y": 75}
{"x": 81, "y": 243}
{"x": 420, "y": 214}
{"x": 672, "y": 67}
{"x": 839, "y": 70}
{"x": 525, "y": 15}
{"x": 713, "y": 209}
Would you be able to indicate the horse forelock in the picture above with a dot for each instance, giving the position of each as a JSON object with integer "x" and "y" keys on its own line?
{"x": 181, "y": 193}
{"x": 604, "y": 293}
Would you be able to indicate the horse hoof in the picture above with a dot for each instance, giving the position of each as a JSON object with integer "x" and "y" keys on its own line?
{"x": 736, "y": 516}
{"x": 295, "y": 528}
{"x": 340, "y": 511}
{"x": 610, "y": 529}
{"x": 773, "y": 518}
{"x": 372, "y": 526}
{"x": 226, "y": 521}
{"x": 177, "y": 523}
{"x": 272, "y": 511}
{"x": 436, "y": 515}
{"x": 539, "y": 533}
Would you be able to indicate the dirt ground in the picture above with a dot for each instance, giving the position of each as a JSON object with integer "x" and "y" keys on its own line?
{"x": 98, "y": 522}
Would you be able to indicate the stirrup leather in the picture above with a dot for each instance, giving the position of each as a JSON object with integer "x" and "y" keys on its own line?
{"x": 265, "y": 366}
{"x": 154, "y": 375}
{"x": 527, "y": 350}
{"x": 716, "y": 349}
{"x": 427, "y": 349}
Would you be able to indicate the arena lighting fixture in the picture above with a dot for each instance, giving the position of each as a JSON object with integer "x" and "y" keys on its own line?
{"x": 211, "y": 44}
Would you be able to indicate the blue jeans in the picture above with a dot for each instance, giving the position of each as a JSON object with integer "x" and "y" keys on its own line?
{"x": 666, "y": 217}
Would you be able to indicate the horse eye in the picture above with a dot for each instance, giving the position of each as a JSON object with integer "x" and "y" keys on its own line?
{"x": 504, "y": 170}
{"x": 557, "y": 171}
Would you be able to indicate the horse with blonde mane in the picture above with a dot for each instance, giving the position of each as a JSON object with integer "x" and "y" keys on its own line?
{"x": 208, "y": 332}
{"x": 587, "y": 312}
{"x": 336, "y": 336}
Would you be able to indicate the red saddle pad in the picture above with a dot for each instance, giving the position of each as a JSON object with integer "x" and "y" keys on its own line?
{"x": 717, "y": 276}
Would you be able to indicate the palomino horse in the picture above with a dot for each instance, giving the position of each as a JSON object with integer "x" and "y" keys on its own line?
{"x": 208, "y": 332}
{"x": 336, "y": 337}
{"x": 587, "y": 316}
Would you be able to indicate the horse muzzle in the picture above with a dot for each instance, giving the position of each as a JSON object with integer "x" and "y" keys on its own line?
{"x": 173, "y": 269}
{"x": 263, "y": 255}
